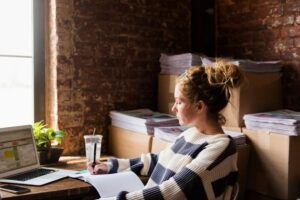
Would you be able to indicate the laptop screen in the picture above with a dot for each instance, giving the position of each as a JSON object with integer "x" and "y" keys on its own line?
{"x": 17, "y": 149}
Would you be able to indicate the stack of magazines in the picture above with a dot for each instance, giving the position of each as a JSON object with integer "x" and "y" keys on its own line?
{"x": 260, "y": 66}
{"x": 250, "y": 65}
{"x": 177, "y": 64}
{"x": 170, "y": 134}
{"x": 238, "y": 137}
{"x": 142, "y": 120}
{"x": 278, "y": 121}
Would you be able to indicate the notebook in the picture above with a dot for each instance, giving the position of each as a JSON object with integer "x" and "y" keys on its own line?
{"x": 19, "y": 162}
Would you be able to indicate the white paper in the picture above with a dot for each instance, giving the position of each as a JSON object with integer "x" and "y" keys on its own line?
{"x": 109, "y": 185}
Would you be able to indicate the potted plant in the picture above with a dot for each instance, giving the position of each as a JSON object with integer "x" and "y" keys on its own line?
{"x": 45, "y": 138}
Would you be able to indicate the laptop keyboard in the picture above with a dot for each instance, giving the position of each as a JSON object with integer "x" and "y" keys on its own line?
{"x": 32, "y": 174}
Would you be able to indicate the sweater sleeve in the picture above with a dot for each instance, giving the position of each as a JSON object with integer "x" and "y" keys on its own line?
{"x": 143, "y": 165}
{"x": 200, "y": 178}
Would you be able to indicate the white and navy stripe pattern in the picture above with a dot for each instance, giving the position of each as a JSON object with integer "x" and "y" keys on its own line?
{"x": 196, "y": 166}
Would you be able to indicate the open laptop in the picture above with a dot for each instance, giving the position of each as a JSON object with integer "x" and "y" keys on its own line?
{"x": 19, "y": 162}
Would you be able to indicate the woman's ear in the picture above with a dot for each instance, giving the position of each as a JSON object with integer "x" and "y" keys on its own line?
{"x": 201, "y": 106}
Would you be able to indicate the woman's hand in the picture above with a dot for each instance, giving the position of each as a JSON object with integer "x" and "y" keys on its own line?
{"x": 98, "y": 168}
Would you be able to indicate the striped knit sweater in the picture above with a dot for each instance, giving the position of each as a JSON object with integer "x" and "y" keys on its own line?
{"x": 196, "y": 166}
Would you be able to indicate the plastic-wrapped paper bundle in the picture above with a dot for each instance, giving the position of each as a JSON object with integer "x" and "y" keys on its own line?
{"x": 177, "y": 64}
{"x": 278, "y": 121}
{"x": 249, "y": 65}
{"x": 142, "y": 120}
{"x": 169, "y": 133}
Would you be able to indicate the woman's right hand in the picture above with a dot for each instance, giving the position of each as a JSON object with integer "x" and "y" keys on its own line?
{"x": 98, "y": 168}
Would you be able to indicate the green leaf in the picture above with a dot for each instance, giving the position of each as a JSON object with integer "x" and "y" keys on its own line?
{"x": 44, "y": 136}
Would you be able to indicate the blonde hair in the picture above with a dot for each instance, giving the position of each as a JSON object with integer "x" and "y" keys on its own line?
{"x": 211, "y": 84}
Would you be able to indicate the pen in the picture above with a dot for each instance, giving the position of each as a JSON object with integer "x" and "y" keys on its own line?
{"x": 95, "y": 151}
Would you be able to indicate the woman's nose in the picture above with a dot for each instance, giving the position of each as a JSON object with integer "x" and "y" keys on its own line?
{"x": 174, "y": 108}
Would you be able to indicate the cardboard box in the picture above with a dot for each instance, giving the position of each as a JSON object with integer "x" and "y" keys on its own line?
{"x": 242, "y": 163}
{"x": 166, "y": 87}
{"x": 274, "y": 165}
{"x": 124, "y": 143}
{"x": 251, "y": 97}
{"x": 259, "y": 93}
{"x": 158, "y": 145}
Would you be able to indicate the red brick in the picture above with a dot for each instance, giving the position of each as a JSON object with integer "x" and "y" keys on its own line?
{"x": 297, "y": 42}
{"x": 294, "y": 31}
{"x": 288, "y": 20}
{"x": 291, "y": 8}
{"x": 297, "y": 20}
{"x": 266, "y": 2}
{"x": 267, "y": 11}
{"x": 284, "y": 32}
{"x": 273, "y": 22}
{"x": 266, "y": 35}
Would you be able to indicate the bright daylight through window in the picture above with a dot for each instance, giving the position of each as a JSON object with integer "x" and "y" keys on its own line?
{"x": 16, "y": 63}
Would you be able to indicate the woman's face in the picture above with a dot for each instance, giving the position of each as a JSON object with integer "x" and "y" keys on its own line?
{"x": 185, "y": 111}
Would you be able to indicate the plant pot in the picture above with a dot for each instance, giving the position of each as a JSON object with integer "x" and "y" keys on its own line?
{"x": 51, "y": 155}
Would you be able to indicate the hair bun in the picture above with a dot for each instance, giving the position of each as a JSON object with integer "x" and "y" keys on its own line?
{"x": 224, "y": 73}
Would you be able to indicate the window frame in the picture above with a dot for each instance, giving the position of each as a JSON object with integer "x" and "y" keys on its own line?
{"x": 39, "y": 58}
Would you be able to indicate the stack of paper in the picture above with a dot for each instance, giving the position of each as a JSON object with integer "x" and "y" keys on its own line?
{"x": 238, "y": 137}
{"x": 278, "y": 121}
{"x": 169, "y": 133}
{"x": 249, "y": 65}
{"x": 177, "y": 64}
{"x": 142, "y": 120}
{"x": 260, "y": 66}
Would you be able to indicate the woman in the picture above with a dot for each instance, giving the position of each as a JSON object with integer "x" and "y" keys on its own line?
{"x": 201, "y": 164}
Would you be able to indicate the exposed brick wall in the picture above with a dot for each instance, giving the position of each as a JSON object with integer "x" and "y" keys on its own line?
{"x": 108, "y": 53}
{"x": 263, "y": 30}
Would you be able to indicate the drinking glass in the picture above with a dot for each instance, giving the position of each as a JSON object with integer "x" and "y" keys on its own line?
{"x": 92, "y": 147}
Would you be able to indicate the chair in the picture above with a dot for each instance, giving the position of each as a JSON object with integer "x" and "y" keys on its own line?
{"x": 235, "y": 191}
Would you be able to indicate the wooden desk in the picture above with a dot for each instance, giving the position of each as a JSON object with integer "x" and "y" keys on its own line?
{"x": 67, "y": 188}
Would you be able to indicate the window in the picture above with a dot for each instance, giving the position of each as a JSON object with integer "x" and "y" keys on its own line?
{"x": 19, "y": 63}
